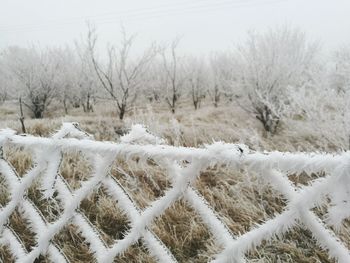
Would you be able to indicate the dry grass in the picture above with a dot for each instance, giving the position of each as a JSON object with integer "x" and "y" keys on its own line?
{"x": 240, "y": 199}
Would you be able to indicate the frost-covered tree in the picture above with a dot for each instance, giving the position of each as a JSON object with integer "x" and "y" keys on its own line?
{"x": 324, "y": 102}
{"x": 271, "y": 64}
{"x": 327, "y": 104}
{"x": 340, "y": 76}
{"x": 154, "y": 90}
{"x": 174, "y": 77}
{"x": 87, "y": 82}
{"x": 125, "y": 73}
{"x": 5, "y": 80}
{"x": 223, "y": 75}
{"x": 35, "y": 74}
{"x": 325, "y": 112}
{"x": 67, "y": 76}
{"x": 197, "y": 80}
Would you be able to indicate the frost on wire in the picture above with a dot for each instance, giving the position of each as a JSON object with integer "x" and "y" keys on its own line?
{"x": 273, "y": 168}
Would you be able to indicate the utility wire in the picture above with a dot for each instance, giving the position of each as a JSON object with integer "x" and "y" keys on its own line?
{"x": 132, "y": 13}
{"x": 134, "y": 16}
{"x": 124, "y": 12}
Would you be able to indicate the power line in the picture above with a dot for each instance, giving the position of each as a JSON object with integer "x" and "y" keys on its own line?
{"x": 148, "y": 13}
{"x": 134, "y": 12}
{"x": 123, "y": 12}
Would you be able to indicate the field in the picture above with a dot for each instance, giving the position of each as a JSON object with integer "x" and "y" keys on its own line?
{"x": 239, "y": 198}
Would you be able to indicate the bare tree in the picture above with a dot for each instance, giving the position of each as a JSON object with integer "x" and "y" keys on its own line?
{"x": 154, "y": 91}
{"x": 123, "y": 76}
{"x": 87, "y": 82}
{"x": 340, "y": 76}
{"x": 4, "y": 83}
{"x": 197, "y": 80}
{"x": 222, "y": 77}
{"x": 272, "y": 63}
{"x": 173, "y": 75}
{"x": 87, "y": 86}
{"x": 67, "y": 76}
{"x": 21, "y": 116}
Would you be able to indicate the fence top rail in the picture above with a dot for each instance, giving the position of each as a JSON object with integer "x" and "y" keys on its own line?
{"x": 216, "y": 153}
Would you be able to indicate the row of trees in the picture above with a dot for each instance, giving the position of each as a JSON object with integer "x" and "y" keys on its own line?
{"x": 78, "y": 76}
{"x": 273, "y": 75}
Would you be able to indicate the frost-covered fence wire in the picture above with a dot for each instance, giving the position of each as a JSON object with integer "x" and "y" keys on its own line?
{"x": 183, "y": 166}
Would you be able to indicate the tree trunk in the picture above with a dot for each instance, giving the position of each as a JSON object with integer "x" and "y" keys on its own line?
{"x": 216, "y": 100}
{"x": 84, "y": 107}
{"x": 195, "y": 104}
{"x": 122, "y": 112}
{"x": 88, "y": 103}
{"x": 174, "y": 103}
{"x": 268, "y": 119}
{"x": 216, "y": 96}
{"x": 38, "y": 107}
{"x": 65, "y": 106}
{"x": 38, "y": 112}
{"x": 21, "y": 118}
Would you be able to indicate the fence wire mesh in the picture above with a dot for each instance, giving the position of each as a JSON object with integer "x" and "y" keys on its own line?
{"x": 182, "y": 166}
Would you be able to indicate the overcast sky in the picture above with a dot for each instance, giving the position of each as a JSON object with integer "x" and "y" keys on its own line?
{"x": 205, "y": 25}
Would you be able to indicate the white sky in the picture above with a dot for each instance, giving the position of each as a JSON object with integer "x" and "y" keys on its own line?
{"x": 205, "y": 25}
